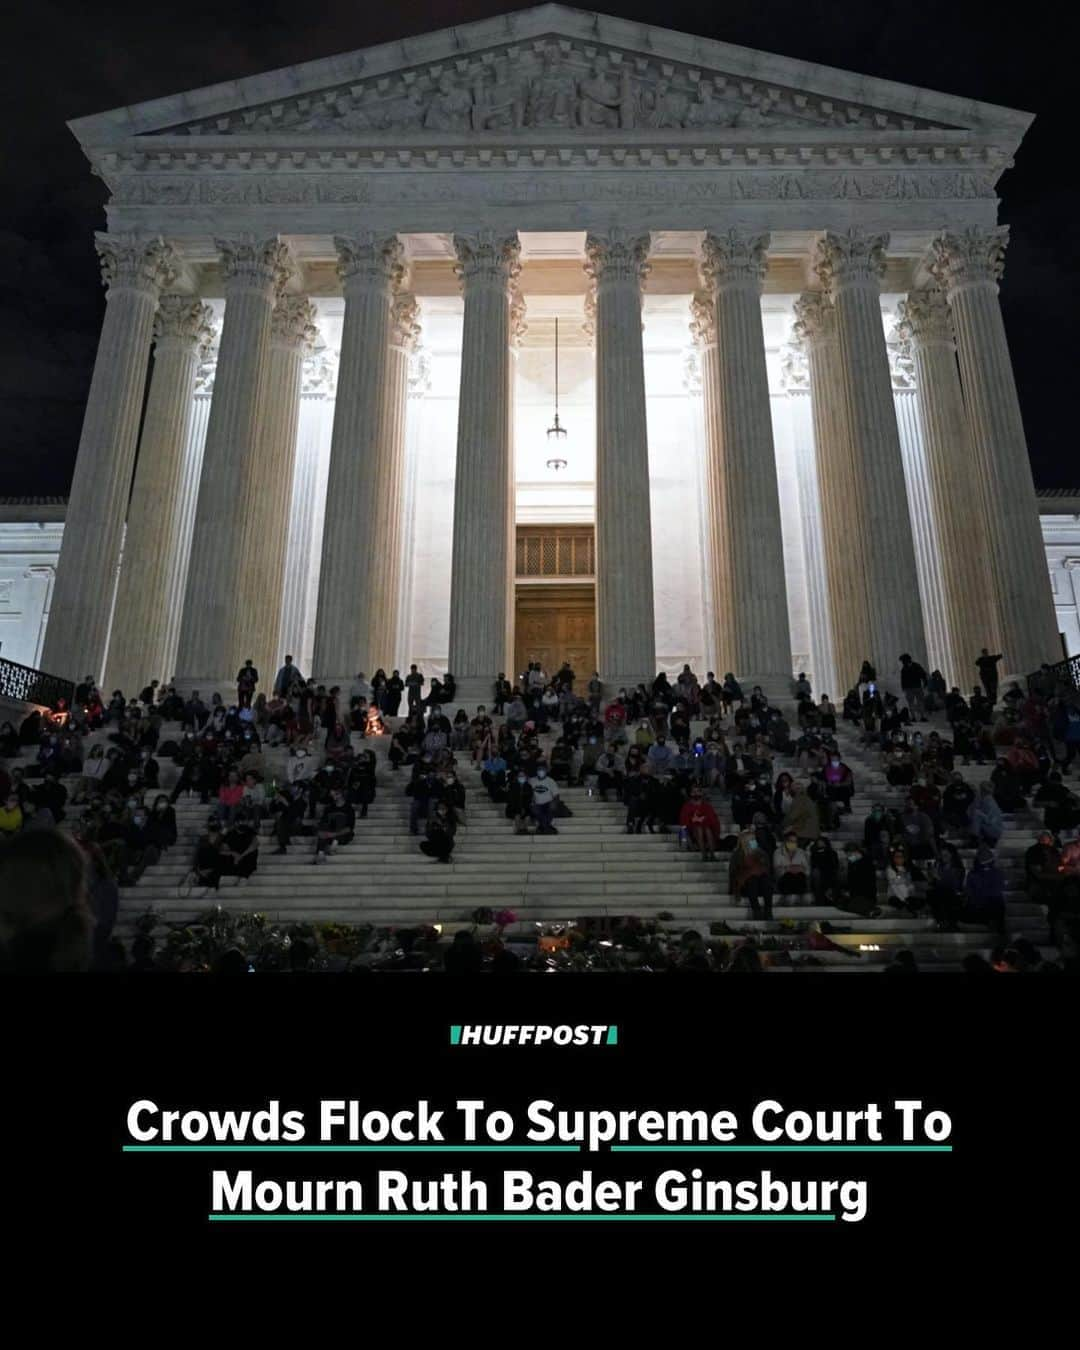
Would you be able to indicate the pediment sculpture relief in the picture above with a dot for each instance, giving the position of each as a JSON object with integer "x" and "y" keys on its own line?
{"x": 550, "y": 87}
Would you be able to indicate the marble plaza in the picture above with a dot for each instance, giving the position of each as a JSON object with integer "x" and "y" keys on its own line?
{"x": 793, "y": 436}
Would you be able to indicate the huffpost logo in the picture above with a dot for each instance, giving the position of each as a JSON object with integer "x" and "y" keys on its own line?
{"x": 563, "y": 1035}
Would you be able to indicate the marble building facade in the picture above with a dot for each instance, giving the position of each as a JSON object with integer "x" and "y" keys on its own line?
{"x": 793, "y": 428}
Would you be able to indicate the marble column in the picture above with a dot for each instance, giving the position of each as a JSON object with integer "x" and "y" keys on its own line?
{"x": 969, "y": 620}
{"x": 484, "y": 479}
{"x": 404, "y": 336}
{"x": 795, "y": 379}
{"x": 625, "y": 617}
{"x": 851, "y": 266}
{"x": 222, "y": 573}
{"x": 138, "y": 642}
{"x": 419, "y": 382}
{"x": 753, "y": 638}
{"x": 310, "y": 473}
{"x": 968, "y": 266}
{"x": 266, "y": 514}
{"x": 135, "y": 270}
{"x": 350, "y": 624}
{"x": 842, "y": 522}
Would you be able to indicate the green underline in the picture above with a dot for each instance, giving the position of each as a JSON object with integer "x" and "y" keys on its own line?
{"x": 520, "y": 1218}
{"x": 781, "y": 1148}
{"x": 351, "y": 1148}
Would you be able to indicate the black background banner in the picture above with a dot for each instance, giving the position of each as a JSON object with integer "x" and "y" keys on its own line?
{"x": 993, "y": 1053}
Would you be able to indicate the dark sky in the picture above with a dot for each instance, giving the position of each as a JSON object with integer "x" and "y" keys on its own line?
{"x": 68, "y": 58}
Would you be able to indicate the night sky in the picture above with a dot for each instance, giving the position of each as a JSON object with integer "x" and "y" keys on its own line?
{"x": 67, "y": 60}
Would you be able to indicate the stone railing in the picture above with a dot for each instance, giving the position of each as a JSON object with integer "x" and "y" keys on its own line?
{"x": 23, "y": 684}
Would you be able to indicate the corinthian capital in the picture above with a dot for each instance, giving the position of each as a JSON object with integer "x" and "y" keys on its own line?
{"x": 734, "y": 257}
{"x": 250, "y": 263}
{"x": 405, "y": 320}
{"x": 518, "y": 322}
{"x": 488, "y": 256}
{"x": 970, "y": 257}
{"x": 815, "y": 319}
{"x": 852, "y": 258}
{"x": 135, "y": 263}
{"x": 617, "y": 255}
{"x": 184, "y": 321}
{"x": 702, "y": 320}
{"x": 370, "y": 259}
{"x": 924, "y": 318}
{"x": 292, "y": 323}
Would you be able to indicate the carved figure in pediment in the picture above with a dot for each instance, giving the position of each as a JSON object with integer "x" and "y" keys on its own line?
{"x": 449, "y": 108}
{"x": 604, "y": 100}
{"x": 751, "y": 115}
{"x": 403, "y": 114}
{"x": 498, "y": 105}
{"x": 323, "y": 120}
{"x": 706, "y": 111}
{"x": 551, "y": 96}
{"x": 663, "y": 107}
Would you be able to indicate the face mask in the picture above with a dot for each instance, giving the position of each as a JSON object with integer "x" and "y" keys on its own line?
{"x": 541, "y": 773}
{"x": 132, "y": 804}
{"x": 753, "y": 843}
{"x": 521, "y": 778}
{"x": 140, "y": 820}
{"x": 592, "y": 740}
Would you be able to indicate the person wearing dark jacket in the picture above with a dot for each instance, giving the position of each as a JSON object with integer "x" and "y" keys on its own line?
{"x": 336, "y": 827}
{"x": 441, "y": 828}
{"x": 913, "y": 682}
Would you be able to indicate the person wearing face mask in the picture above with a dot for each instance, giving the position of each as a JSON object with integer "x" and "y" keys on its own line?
{"x": 440, "y": 831}
{"x": 519, "y": 801}
{"x": 138, "y": 851}
{"x": 644, "y": 737}
{"x": 791, "y": 867}
{"x": 161, "y": 824}
{"x": 824, "y": 870}
{"x": 545, "y": 795}
{"x": 750, "y": 876}
{"x": 701, "y": 824}
{"x": 590, "y": 753}
{"x": 839, "y": 782}
{"x": 857, "y": 890}
{"x": 660, "y": 756}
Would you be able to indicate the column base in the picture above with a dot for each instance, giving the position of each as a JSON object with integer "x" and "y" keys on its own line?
{"x": 627, "y": 682}
{"x": 778, "y": 689}
{"x": 472, "y": 690}
{"x": 225, "y": 685}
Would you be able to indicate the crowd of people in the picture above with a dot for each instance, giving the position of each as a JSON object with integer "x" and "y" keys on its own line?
{"x": 758, "y": 788}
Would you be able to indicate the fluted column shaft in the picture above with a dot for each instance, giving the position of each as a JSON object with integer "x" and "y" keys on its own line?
{"x": 223, "y": 571}
{"x": 391, "y": 486}
{"x": 963, "y": 557}
{"x": 266, "y": 517}
{"x": 842, "y": 525}
{"x": 852, "y": 265}
{"x": 747, "y": 538}
{"x": 138, "y": 642}
{"x": 796, "y": 380}
{"x": 135, "y": 271}
{"x": 625, "y": 616}
{"x": 968, "y": 267}
{"x": 352, "y": 595}
{"x": 484, "y": 480}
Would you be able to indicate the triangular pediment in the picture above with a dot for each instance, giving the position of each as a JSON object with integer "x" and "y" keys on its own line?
{"x": 550, "y": 70}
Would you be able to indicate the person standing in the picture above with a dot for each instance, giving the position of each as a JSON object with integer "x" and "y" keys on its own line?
{"x": 913, "y": 682}
{"x": 247, "y": 677}
{"x": 286, "y": 678}
{"x": 414, "y": 684}
{"x": 988, "y": 673}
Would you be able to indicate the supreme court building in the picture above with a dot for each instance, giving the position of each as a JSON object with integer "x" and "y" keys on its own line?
{"x": 319, "y": 415}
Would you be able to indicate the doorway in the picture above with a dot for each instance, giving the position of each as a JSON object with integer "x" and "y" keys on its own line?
{"x": 556, "y": 622}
